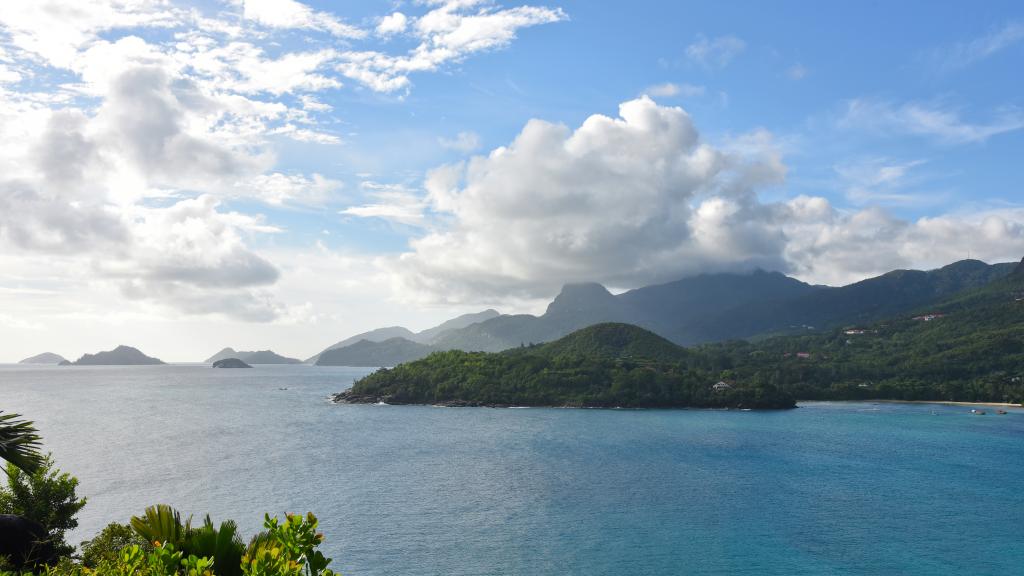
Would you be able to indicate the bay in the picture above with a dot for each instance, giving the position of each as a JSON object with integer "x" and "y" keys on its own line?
{"x": 829, "y": 488}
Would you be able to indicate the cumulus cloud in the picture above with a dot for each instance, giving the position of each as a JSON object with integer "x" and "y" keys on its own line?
{"x": 715, "y": 52}
{"x": 942, "y": 123}
{"x": 619, "y": 200}
{"x": 834, "y": 247}
{"x": 641, "y": 198}
{"x": 392, "y": 24}
{"x": 193, "y": 258}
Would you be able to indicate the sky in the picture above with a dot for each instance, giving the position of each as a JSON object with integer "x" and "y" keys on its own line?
{"x": 181, "y": 176}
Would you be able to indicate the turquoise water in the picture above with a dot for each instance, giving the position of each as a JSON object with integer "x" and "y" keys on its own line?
{"x": 831, "y": 489}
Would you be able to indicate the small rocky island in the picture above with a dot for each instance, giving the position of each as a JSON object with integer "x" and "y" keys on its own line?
{"x": 603, "y": 366}
{"x": 230, "y": 363}
{"x": 253, "y": 357}
{"x": 120, "y": 356}
{"x": 44, "y": 358}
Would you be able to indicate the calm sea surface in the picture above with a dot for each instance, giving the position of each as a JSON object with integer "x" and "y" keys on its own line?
{"x": 825, "y": 489}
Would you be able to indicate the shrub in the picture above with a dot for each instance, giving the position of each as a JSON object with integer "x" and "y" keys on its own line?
{"x": 47, "y": 496}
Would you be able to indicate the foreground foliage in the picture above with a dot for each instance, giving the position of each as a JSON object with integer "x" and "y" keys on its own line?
{"x": 287, "y": 548}
{"x": 19, "y": 443}
{"x": 46, "y": 496}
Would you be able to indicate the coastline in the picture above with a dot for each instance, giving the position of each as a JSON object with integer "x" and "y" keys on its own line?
{"x": 945, "y": 402}
{"x": 347, "y": 397}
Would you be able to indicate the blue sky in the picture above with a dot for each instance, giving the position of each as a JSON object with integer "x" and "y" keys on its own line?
{"x": 795, "y": 76}
{"x": 270, "y": 173}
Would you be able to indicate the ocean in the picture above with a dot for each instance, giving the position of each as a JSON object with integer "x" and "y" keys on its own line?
{"x": 826, "y": 489}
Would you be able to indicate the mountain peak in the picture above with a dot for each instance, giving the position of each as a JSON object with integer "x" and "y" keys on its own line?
{"x": 583, "y": 292}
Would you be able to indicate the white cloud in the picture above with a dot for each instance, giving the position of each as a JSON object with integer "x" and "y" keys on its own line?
{"x": 292, "y": 14}
{"x": 964, "y": 54}
{"x": 930, "y": 120}
{"x": 449, "y": 33}
{"x": 393, "y": 23}
{"x": 610, "y": 201}
{"x": 8, "y": 75}
{"x": 715, "y": 52}
{"x": 277, "y": 189}
{"x": 833, "y": 247}
{"x": 394, "y": 203}
{"x": 56, "y": 31}
{"x": 462, "y": 142}
{"x": 639, "y": 199}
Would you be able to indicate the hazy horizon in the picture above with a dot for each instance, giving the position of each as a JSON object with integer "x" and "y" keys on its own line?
{"x": 187, "y": 175}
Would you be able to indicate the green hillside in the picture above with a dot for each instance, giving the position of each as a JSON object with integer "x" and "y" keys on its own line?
{"x": 968, "y": 348}
{"x": 612, "y": 340}
{"x": 609, "y": 365}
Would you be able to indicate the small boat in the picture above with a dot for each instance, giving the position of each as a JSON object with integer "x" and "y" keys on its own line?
{"x": 1001, "y": 412}
{"x": 977, "y": 412}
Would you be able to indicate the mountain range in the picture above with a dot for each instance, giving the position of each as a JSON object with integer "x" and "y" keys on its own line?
{"x": 691, "y": 311}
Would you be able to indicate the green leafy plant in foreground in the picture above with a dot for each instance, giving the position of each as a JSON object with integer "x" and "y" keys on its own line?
{"x": 287, "y": 548}
{"x": 46, "y": 496}
{"x": 107, "y": 545}
{"x": 19, "y": 443}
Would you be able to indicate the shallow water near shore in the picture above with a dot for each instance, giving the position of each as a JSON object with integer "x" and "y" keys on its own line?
{"x": 829, "y": 488}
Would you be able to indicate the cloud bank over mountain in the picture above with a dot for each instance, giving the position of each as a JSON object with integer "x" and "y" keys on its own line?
{"x": 641, "y": 199}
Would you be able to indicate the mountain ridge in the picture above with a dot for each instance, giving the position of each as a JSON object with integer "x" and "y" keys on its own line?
{"x": 715, "y": 307}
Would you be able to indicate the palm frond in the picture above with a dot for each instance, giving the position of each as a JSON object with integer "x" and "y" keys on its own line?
{"x": 19, "y": 443}
{"x": 161, "y": 523}
{"x": 224, "y": 545}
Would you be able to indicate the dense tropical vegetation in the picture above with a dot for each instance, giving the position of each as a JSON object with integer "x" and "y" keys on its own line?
{"x": 968, "y": 348}
{"x": 605, "y": 365}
